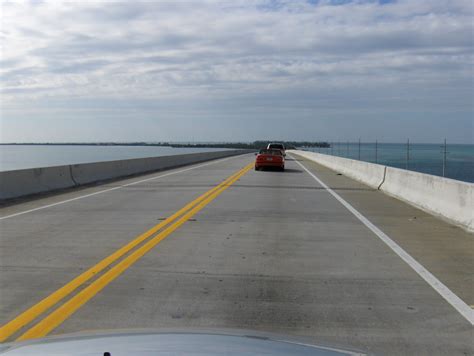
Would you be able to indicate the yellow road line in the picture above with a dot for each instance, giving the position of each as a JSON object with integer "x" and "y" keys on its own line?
{"x": 36, "y": 310}
{"x": 58, "y": 316}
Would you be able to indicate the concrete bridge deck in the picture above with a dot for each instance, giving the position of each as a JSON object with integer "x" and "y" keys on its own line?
{"x": 268, "y": 251}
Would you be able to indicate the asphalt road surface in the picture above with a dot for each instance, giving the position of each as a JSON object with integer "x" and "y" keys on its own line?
{"x": 268, "y": 251}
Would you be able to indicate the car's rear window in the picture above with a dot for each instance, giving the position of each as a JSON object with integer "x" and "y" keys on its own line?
{"x": 270, "y": 152}
{"x": 276, "y": 146}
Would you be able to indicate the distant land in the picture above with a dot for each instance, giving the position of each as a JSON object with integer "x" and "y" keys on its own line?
{"x": 239, "y": 145}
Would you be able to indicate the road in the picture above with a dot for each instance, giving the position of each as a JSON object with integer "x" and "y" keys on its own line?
{"x": 268, "y": 251}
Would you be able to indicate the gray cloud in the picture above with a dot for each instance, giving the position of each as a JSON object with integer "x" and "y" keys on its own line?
{"x": 265, "y": 59}
{"x": 77, "y": 67}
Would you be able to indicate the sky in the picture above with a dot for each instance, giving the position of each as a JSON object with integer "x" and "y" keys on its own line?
{"x": 197, "y": 71}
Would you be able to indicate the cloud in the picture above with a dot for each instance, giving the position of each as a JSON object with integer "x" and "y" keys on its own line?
{"x": 286, "y": 54}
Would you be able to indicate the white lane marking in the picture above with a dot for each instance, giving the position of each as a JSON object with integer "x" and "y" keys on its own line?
{"x": 115, "y": 188}
{"x": 434, "y": 282}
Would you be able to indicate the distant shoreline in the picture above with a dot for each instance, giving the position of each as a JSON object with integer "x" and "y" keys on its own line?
{"x": 240, "y": 145}
{"x": 218, "y": 145}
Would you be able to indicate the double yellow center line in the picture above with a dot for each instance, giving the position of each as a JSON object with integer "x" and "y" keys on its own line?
{"x": 59, "y": 315}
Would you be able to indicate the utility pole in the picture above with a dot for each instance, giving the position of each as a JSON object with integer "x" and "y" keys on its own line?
{"x": 408, "y": 153}
{"x": 359, "y": 148}
{"x": 376, "y": 149}
{"x": 444, "y": 159}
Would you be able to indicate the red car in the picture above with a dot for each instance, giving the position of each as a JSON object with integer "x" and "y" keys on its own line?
{"x": 270, "y": 158}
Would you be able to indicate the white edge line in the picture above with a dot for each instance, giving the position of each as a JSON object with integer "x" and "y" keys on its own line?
{"x": 115, "y": 188}
{"x": 434, "y": 282}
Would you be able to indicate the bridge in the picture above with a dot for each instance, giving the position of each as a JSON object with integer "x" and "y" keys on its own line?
{"x": 307, "y": 252}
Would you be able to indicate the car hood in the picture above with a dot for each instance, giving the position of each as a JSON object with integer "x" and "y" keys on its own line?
{"x": 171, "y": 342}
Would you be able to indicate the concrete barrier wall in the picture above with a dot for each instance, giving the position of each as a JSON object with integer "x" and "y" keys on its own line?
{"x": 449, "y": 199}
{"x": 30, "y": 181}
{"x": 440, "y": 196}
{"x": 94, "y": 172}
{"x": 19, "y": 183}
{"x": 368, "y": 173}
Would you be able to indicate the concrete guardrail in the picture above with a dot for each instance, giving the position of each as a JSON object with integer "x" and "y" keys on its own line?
{"x": 23, "y": 182}
{"x": 447, "y": 198}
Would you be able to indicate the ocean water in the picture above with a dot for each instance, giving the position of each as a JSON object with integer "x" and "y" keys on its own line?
{"x": 13, "y": 157}
{"x": 424, "y": 158}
